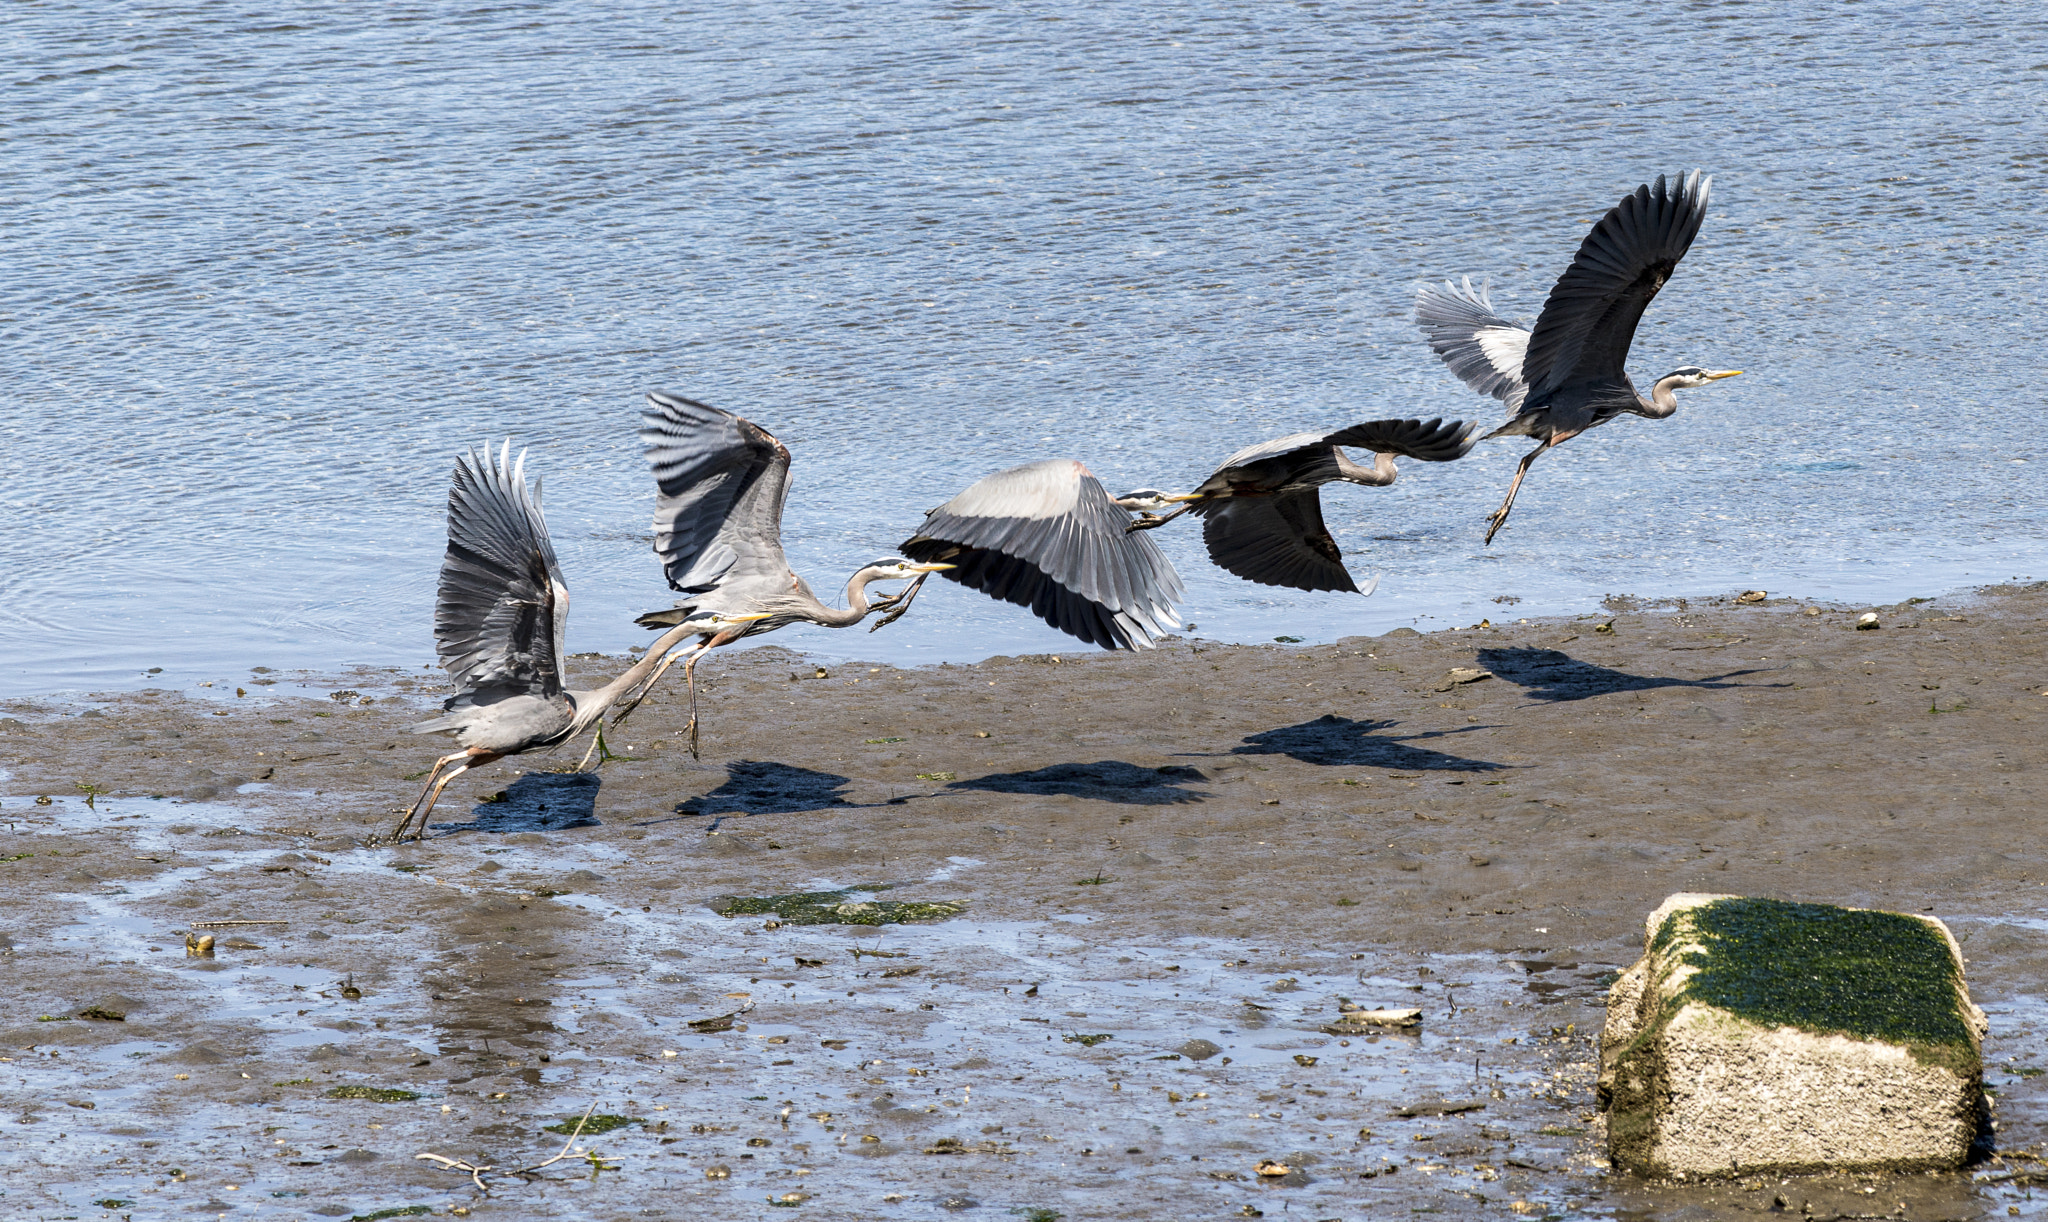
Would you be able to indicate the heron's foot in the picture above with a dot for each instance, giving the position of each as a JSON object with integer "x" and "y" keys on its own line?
{"x": 1145, "y": 521}
{"x": 1494, "y": 521}
{"x": 891, "y": 617}
{"x": 692, "y": 728}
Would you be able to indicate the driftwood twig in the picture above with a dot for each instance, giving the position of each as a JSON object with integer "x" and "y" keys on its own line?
{"x": 476, "y": 1173}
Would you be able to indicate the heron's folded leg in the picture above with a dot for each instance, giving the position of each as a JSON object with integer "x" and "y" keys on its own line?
{"x": 899, "y": 604}
{"x": 1499, "y": 517}
{"x": 1153, "y": 521}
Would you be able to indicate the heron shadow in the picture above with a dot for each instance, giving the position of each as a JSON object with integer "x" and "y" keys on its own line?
{"x": 1342, "y": 742}
{"x": 1103, "y": 780}
{"x": 1550, "y": 674}
{"x": 762, "y": 787}
{"x": 536, "y": 802}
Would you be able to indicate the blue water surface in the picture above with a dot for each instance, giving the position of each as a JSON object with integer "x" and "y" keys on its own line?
{"x": 269, "y": 268}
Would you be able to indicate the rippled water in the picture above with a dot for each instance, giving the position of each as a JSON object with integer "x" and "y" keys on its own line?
{"x": 270, "y": 268}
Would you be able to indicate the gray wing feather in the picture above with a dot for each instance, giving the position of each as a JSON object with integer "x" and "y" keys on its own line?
{"x": 1275, "y": 541}
{"x": 722, "y": 482}
{"x": 1273, "y": 449}
{"x": 1589, "y": 320}
{"x": 502, "y": 605}
{"x": 1483, "y": 349}
{"x": 1048, "y": 537}
{"x": 1428, "y": 440}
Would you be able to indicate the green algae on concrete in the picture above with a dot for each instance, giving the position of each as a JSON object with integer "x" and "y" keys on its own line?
{"x": 836, "y": 907}
{"x": 1763, "y": 1035}
{"x": 1854, "y": 971}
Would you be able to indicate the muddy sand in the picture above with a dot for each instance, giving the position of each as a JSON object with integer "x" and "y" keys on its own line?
{"x": 1171, "y": 869}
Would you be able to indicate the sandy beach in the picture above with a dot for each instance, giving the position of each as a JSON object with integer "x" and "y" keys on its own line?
{"x": 1172, "y": 869}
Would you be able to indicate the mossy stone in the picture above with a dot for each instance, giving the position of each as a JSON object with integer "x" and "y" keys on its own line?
{"x": 1850, "y": 971}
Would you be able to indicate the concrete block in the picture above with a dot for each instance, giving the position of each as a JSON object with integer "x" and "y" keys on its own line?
{"x": 1758, "y": 1035}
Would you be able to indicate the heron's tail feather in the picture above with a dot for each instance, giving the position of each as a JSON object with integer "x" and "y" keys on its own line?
{"x": 438, "y": 725}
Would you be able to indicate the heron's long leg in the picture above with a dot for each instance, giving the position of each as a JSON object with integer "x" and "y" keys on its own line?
{"x": 1153, "y": 521}
{"x": 1499, "y": 517}
{"x": 690, "y": 681}
{"x": 633, "y": 702}
{"x": 474, "y": 757}
{"x": 899, "y": 604}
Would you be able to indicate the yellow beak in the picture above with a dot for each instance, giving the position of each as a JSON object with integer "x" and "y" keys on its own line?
{"x": 1717, "y": 374}
{"x": 749, "y": 618}
{"x": 1184, "y": 496}
{"x": 930, "y": 568}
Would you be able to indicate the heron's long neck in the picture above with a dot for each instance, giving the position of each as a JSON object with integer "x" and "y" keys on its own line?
{"x": 592, "y": 705}
{"x": 857, "y": 606}
{"x": 1663, "y": 399}
{"x": 1379, "y": 475}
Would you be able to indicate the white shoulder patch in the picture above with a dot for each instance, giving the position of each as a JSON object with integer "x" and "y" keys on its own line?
{"x": 1505, "y": 347}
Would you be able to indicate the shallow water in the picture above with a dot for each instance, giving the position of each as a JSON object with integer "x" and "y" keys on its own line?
{"x": 270, "y": 269}
{"x": 837, "y": 1086}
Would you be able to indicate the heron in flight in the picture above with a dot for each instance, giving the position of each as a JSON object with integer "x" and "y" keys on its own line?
{"x": 498, "y": 624}
{"x": 1047, "y": 536}
{"x": 722, "y": 482}
{"x": 1262, "y": 512}
{"x": 1569, "y": 373}
{"x": 1044, "y": 535}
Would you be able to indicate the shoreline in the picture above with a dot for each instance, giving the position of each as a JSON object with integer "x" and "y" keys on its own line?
{"x": 1199, "y": 843}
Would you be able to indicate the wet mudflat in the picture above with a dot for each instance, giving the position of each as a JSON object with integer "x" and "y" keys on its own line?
{"x": 1173, "y": 871}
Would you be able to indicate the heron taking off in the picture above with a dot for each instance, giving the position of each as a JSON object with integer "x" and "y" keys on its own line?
{"x": 1570, "y": 373}
{"x": 1262, "y": 511}
{"x": 721, "y": 484}
{"x": 498, "y": 624}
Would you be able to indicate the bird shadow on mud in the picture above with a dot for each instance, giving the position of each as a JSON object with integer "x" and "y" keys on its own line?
{"x": 1103, "y": 780}
{"x": 762, "y": 787}
{"x": 1552, "y": 675}
{"x": 1342, "y": 742}
{"x": 536, "y": 802}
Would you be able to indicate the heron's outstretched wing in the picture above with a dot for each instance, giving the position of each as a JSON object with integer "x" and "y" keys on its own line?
{"x": 722, "y": 480}
{"x": 1485, "y": 350}
{"x": 1276, "y": 448}
{"x": 1275, "y": 541}
{"x": 1589, "y": 321}
{"x": 1046, "y": 536}
{"x": 502, "y": 606}
{"x": 1436, "y": 440}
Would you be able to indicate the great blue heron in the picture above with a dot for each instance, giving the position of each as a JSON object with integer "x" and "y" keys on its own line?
{"x": 722, "y": 481}
{"x": 1047, "y": 536}
{"x": 1262, "y": 513}
{"x": 498, "y": 624}
{"x": 1570, "y": 373}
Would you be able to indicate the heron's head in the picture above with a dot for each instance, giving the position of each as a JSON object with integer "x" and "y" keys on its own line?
{"x": 896, "y": 568}
{"x": 1692, "y": 375}
{"x": 711, "y": 623}
{"x": 1149, "y": 500}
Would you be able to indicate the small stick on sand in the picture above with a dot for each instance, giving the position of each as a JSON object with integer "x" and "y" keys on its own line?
{"x": 476, "y": 1173}
{"x": 216, "y": 924}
